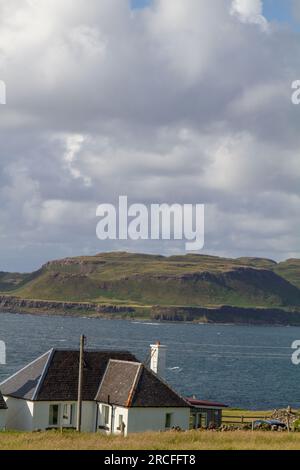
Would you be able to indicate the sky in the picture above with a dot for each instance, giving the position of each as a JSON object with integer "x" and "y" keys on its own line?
{"x": 180, "y": 101}
{"x": 279, "y": 10}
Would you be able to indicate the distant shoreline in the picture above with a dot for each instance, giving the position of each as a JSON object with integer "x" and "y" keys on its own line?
{"x": 224, "y": 315}
{"x": 148, "y": 322}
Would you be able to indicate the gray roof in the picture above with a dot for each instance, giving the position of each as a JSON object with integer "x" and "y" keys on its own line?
{"x": 54, "y": 376}
{"x": 134, "y": 385}
{"x": 2, "y": 403}
{"x": 24, "y": 383}
{"x": 114, "y": 377}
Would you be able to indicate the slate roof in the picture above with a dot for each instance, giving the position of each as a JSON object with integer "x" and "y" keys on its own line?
{"x": 2, "y": 403}
{"x": 23, "y": 384}
{"x": 118, "y": 382}
{"x": 114, "y": 377}
{"x": 206, "y": 404}
{"x": 134, "y": 385}
{"x": 54, "y": 376}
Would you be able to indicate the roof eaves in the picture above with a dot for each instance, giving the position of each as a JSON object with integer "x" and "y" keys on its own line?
{"x": 43, "y": 375}
{"x": 134, "y": 385}
{"x": 25, "y": 367}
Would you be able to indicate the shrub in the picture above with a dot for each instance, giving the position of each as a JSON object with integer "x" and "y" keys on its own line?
{"x": 297, "y": 425}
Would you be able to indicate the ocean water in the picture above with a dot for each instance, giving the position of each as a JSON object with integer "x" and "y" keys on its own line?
{"x": 242, "y": 366}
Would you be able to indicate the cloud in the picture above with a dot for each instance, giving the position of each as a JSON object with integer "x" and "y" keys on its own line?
{"x": 249, "y": 11}
{"x": 185, "y": 101}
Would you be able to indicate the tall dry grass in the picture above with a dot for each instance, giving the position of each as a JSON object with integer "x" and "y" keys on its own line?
{"x": 193, "y": 440}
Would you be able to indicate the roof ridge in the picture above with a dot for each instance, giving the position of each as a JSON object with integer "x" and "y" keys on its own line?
{"x": 25, "y": 367}
{"x": 43, "y": 374}
{"x": 134, "y": 385}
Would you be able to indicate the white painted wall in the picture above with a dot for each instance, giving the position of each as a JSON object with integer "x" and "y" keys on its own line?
{"x": 28, "y": 416}
{"x": 158, "y": 359}
{"x": 41, "y": 415}
{"x": 3, "y": 414}
{"x": 153, "y": 419}
{"x": 142, "y": 419}
{"x": 89, "y": 410}
{"x": 24, "y": 415}
{"x": 115, "y": 412}
{"x": 19, "y": 415}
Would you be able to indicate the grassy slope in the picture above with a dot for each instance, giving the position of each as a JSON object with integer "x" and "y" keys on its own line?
{"x": 193, "y": 440}
{"x": 179, "y": 280}
{"x": 12, "y": 281}
{"x": 290, "y": 270}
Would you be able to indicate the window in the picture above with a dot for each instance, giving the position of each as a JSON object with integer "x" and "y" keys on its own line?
{"x": 202, "y": 420}
{"x": 193, "y": 419}
{"x": 217, "y": 417}
{"x": 68, "y": 414}
{"x": 105, "y": 411}
{"x": 54, "y": 415}
{"x": 168, "y": 421}
{"x": 120, "y": 422}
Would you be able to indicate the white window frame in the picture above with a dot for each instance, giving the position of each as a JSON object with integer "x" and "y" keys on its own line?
{"x": 105, "y": 415}
{"x": 68, "y": 421}
{"x": 51, "y": 406}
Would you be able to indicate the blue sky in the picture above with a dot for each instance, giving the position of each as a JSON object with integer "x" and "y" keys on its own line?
{"x": 140, "y": 3}
{"x": 279, "y": 10}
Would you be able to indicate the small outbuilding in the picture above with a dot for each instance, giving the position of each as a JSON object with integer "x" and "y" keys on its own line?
{"x": 205, "y": 413}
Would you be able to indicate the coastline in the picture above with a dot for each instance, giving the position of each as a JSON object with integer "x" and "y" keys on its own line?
{"x": 223, "y": 315}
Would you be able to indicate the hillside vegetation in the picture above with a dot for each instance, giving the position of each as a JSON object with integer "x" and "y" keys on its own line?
{"x": 146, "y": 282}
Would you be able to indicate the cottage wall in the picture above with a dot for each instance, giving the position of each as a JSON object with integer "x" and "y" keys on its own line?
{"x": 154, "y": 419}
{"x": 24, "y": 415}
{"x": 41, "y": 415}
{"x": 115, "y": 412}
{"x": 19, "y": 415}
{"x": 3, "y": 414}
{"x": 141, "y": 419}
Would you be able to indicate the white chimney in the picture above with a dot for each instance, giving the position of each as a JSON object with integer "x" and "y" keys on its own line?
{"x": 158, "y": 359}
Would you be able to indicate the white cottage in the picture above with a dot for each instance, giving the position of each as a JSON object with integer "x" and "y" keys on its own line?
{"x": 120, "y": 394}
{"x": 3, "y": 411}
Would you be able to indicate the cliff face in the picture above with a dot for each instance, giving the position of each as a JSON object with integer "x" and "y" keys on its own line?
{"x": 16, "y": 305}
{"x": 224, "y": 314}
{"x": 227, "y": 314}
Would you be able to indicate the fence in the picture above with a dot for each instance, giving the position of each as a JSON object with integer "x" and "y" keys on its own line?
{"x": 240, "y": 420}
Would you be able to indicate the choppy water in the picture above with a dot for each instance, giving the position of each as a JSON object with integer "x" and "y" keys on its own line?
{"x": 242, "y": 366}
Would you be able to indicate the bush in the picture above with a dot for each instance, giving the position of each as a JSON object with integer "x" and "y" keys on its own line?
{"x": 297, "y": 425}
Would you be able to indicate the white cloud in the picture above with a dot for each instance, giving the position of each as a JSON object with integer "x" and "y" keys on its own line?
{"x": 187, "y": 101}
{"x": 74, "y": 143}
{"x": 249, "y": 11}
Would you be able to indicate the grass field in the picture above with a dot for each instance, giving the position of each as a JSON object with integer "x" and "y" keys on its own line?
{"x": 193, "y": 440}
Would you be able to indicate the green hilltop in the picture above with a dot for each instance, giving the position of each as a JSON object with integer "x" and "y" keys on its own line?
{"x": 148, "y": 280}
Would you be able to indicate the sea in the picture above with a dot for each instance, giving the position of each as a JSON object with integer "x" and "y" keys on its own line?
{"x": 247, "y": 367}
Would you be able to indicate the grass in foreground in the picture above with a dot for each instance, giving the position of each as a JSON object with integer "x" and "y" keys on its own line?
{"x": 193, "y": 440}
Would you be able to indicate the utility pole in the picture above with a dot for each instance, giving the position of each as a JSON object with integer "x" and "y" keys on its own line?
{"x": 80, "y": 383}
